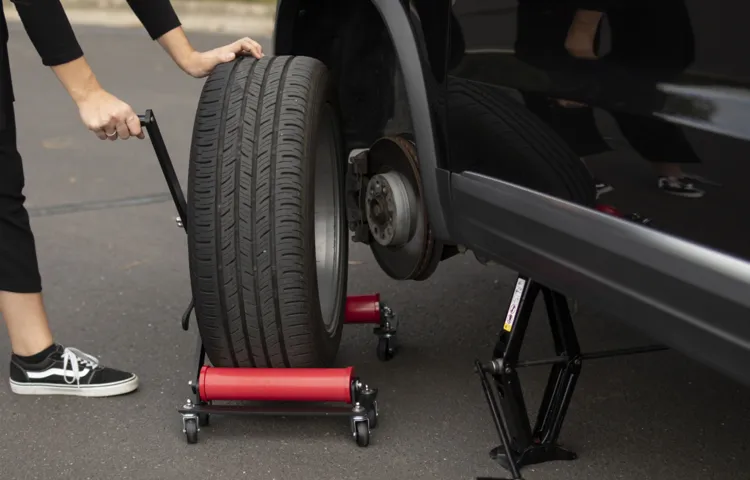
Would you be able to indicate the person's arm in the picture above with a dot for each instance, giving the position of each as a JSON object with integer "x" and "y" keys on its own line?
{"x": 162, "y": 24}
{"x": 200, "y": 64}
{"x": 102, "y": 113}
{"x": 50, "y": 32}
{"x": 157, "y": 16}
{"x": 52, "y": 35}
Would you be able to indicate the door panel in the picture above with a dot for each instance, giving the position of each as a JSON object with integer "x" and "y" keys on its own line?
{"x": 682, "y": 295}
{"x": 637, "y": 89}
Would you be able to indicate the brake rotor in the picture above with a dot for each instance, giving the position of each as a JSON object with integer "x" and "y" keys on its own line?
{"x": 413, "y": 253}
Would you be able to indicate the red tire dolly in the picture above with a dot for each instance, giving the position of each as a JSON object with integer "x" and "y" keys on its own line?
{"x": 305, "y": 387}
{"x": 368, "y": 309}
{"x": 615, "y": 212}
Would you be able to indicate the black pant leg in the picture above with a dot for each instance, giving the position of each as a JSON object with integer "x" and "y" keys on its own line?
{"x": 656, "y": 140}
{"x": 656, "y": 37}
{"x": 19, "y": 268}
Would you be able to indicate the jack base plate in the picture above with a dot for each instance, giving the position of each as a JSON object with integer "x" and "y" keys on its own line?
{"x": 533, "y": 455}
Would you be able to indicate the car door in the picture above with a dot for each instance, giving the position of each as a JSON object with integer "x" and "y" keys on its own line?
{"x": 653, "y": 97}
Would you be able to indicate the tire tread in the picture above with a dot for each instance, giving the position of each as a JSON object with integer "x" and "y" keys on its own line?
{"x": 248, "y": 228}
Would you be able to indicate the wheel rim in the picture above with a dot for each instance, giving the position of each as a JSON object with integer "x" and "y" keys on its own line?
{"x": 328, "y": 211}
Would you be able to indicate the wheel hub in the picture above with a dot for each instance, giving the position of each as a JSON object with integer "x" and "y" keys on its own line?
{"x": 403, "y": 245}
{"x": 389, "y": 205}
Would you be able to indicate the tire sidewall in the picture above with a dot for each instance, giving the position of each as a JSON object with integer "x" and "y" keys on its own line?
{"x": 322, "y": 95}
{"x": 487, "y": 139}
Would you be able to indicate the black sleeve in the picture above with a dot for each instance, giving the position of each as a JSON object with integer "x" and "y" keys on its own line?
{"x": 157, "y": 16}
{"x": 49, "y": 30}
{"x": 52, "y": 35}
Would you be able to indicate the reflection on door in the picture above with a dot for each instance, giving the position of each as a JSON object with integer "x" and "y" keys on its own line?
{"x": 653, "y": 97}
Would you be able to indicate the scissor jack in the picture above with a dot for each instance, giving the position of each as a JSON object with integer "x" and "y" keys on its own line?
{"x": 521, "y": 445}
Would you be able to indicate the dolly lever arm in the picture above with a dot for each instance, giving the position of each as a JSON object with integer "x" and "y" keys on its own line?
{"x": 148, "y": 121}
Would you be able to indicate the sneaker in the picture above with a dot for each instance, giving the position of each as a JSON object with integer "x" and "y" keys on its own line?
{"x": 679, "y": 187}
{"x": 602, "y": 188}
{"x": 68, "y": 371}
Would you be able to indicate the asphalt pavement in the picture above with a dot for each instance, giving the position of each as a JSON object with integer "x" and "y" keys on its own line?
{"x": 116, "y": 283}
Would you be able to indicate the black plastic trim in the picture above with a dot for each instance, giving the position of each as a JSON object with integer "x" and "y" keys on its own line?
{"x": 689, "y": 297}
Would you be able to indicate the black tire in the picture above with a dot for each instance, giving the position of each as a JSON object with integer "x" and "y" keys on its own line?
{"x": 372, "y": 417}
{"x": 191, "y": 431}
{"x": 362, "y": 434}
{"x": 498, "y": 136}
{"x": 251, "y": 216}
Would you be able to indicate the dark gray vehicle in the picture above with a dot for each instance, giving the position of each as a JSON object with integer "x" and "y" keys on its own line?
{"x": 510, "y": 130}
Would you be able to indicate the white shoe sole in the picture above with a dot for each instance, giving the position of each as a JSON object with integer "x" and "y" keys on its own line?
{"x": 108, "y": 390}
{"x": 685, "y": 194}
{"x": 604, "y": 191}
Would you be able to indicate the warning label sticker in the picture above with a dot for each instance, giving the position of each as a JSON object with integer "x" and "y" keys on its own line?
{"x": 510, "y": 318}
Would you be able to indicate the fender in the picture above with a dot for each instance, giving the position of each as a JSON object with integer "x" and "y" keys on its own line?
{"x": 411, "y": 57}
{"x": 283, "y": 32}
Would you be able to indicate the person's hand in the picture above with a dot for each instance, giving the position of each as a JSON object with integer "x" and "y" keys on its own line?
{"x": 582, "y": 34}
{"x": 201, "y": 64}
{"x": 109, "y": 117}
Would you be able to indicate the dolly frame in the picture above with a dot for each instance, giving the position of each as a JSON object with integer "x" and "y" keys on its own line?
{"x": 363, "y": 411}
{"x": 520, "y": 444}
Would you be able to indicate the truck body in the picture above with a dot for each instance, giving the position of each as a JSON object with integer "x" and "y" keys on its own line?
{"x": 632, "y": 88}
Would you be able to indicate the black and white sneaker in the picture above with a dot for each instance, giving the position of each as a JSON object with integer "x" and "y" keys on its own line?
{"x": 679, "y": 187}
{"x": 69, "y": 371}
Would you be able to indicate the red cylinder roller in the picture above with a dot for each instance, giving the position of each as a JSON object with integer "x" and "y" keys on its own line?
{"x": 363, "y": 309}
{"x": 276, "y": 384}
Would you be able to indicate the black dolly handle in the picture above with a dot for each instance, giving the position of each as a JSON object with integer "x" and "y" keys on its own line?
{"x": 148, "y": 121}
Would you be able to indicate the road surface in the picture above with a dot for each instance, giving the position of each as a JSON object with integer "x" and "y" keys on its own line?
{"x": 116, "y": 282}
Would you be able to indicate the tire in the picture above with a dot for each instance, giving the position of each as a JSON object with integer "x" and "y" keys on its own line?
{"x": 251, "y": 215}
{"x": 498, "y": 136}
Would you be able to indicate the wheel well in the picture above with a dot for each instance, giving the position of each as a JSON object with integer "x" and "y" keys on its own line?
{"x": 350, "y": 37}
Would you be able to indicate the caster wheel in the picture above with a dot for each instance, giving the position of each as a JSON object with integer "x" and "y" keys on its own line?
{"x": 386, "y": 349}
{"x": 191, "y": 430}
{"x": 362, "y": 434}
{"x": 204, "y": 419}
{"x": 372, "y": 416}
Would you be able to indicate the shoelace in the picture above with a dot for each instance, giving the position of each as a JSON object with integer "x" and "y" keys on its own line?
{"x": 76, "y": 357}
